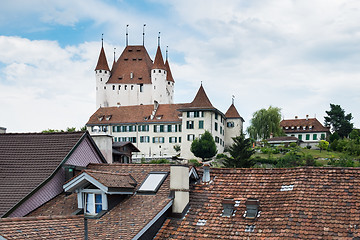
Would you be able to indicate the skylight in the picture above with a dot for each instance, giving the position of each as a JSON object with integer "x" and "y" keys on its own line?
{"x": 153, "y": 182}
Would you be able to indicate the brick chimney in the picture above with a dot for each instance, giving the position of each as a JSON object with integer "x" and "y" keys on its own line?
{"x": 179, "y": 186}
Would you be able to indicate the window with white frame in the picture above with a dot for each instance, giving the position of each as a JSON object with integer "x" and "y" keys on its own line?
{"x": 93, "y": 203}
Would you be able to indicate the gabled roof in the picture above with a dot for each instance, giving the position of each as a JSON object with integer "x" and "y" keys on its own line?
{"x": 297, "y": 203}
{"x": 232, "y": 112}
{"x": 128, "y": 144}
{"x": 136, "y": 114}
{"x": 169, "y": 76}
{"x": 102, "y": 63}
{"x": 129, "y": 217}
{"x": 51, "y": 227}
{"x": 294, "y": 123}
{"x": 104, "y": 180}
{"x": 159, "y": 61}
{"x": 135, "y": 60}
{"x": 28, "y": 159}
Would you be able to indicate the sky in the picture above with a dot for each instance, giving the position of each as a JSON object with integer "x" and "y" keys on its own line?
{"x": 298, "y": 55}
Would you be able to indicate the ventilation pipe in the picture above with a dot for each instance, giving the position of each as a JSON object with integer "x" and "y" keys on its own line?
{"x": 206, "y": 173}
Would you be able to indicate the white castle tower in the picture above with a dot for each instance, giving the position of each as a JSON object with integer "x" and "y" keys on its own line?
{"x": 134, "y": 79}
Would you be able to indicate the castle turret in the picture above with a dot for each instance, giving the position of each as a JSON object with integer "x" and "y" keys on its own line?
{"x": 102, "y": 73}
{"x": 169, "y": 82}
{"x": 234, "y": 124}
{"x": 158, "y": 79}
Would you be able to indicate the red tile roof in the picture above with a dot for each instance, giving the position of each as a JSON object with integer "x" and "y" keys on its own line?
{"x": 316, "y": 125}
{"x": 54, "y": 227}
{"x": 102, "y": 63}
{"x": 298, "y": 203}
{"x": 135, "y": 60}
{"x": 28, "y": 159}
{"x": 201, "y": 101}
{"x": 111, "y": 179}
{"x": 169, "y": 76}
{"x": 129, "y": 216}
{"x": 232, "y": 112}
{"x": 137, "y": 114}
{"x": 159, "y": 61}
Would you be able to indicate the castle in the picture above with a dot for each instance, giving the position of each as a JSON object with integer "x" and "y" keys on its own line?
{"x": 134, "y": 102}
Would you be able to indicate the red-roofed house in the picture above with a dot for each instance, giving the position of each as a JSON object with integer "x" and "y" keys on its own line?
{"x": 34, "y": 167}
{"x": 309, "y": 130}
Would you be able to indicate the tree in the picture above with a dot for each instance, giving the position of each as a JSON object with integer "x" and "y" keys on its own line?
{"x": 265, "y": 122}
{"x": 323, "y": 145}
{"x": 338, "y": 121}
{"x": 241, "y": 151}
{"x": 204, "y": 147}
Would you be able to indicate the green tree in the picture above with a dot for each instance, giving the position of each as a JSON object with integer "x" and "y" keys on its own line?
{"x": 355, "y": 135}
{"x": 204, "y": 147}
{"x": 339, "y": 121}
{"x": 241, "y": 151}
{"x": 265, "y": 122}
{"x": 323, "y": 145}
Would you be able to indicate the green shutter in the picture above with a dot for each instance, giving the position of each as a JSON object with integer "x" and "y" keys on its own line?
{"x": 315, "y": 136}
{"x": 201, "y": 124}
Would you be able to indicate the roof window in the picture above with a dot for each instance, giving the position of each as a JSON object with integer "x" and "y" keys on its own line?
{"x": 120, "y": 78}
{"x": 228, "y": 207}
{"x": 134, "y": 59}
{"x": 125, "y": 59}
{"x": 139, "y": 59}
{"x": 153, "y": 182}
{"x": 130, "y": 50}
{"x": 249, "y": 228}
{"x": 201, "y": 222}
{"x": 252, "y": 208}
{"x": 285, "y": 188}
{"x": 140, "y": 78}
{"x": 138, "y": 49}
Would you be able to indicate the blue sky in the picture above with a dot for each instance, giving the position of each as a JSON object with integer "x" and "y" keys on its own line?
{"x": 297, "y": 55}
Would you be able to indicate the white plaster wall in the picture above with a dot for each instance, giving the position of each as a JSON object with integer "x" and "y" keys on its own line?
{"x": 130, "y": 96}
{"x": 159, "y": 86}
{"x": 232, "y": 132}
{"x": 101, "y": 79}
{"x": 104, "y": 143}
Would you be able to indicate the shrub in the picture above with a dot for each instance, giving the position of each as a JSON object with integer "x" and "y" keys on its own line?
{"x": 195, "y": 163}
{"x": 309, "y": 160}
{"x": 293, "y": 145}
{"x": 290, "y": 159}
{"x": 159, "y": 161}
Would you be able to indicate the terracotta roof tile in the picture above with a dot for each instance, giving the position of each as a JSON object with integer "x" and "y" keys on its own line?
{"x": 54, "y": 227}
{"x": 298, "y": 203}
{"x": 201, "y": 101}
{"x": 27, "y": 159}
{"x": 159, "y": 61}
{"x": 112, "y": 180}
{"x": 169, "y": 76}
{"x": 137, "y": 114}
{"x": 102, "y": 63}
{"x": 135, "y": 60}
{"x": 129, "y": 216}
{"x": 316, "y": 125}
{"x": 232, "y": 112}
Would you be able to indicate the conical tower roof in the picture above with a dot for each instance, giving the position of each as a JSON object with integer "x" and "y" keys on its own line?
{"x": 169, "y": 76}
{"x": 159, "y": 61}
{"x": 102, "y": 63}
{"x": 201, "y": 100}
{"x": 232, "y": 112}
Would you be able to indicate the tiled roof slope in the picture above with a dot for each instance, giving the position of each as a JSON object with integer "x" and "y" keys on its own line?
{"x": 27, "y": 159}
{"x": 137, "y": 114}
{"x": 169, "y": 76}
{"x": 323, "y": 204}
{"x": 102, "y": 63}
{"x": 232, "y": 112}
{"x": 113, "y": 180}
{"x": 128, "y": 217}
{"x": 159, "y": 61}
{"x": 201, "y": 101}
{"x": 316, "y": 125}
{"x": 55, "y": 227}
{"x": 136, "y": 60}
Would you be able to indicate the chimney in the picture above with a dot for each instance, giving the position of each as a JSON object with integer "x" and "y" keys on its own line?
{"x": 206, "y": 173}
{"x": 104, "y": 143}
{"x": 2, "y": 130}
{"x": 271, "y": 135}
{"x": 179, "y": 186}
{"x": 296, "y": 117}
{"x": 307, "y": 117}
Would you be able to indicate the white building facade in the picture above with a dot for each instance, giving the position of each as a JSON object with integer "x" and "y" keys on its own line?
{"x": 134, "y": 103}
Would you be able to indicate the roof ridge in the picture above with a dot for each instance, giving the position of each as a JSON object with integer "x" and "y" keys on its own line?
{"x": 43, "y": 133}
{"x": 107, "y": 172}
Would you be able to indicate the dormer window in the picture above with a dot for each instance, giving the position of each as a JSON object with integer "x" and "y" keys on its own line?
{"x": 93, "y": 203}
{"x": 108, "y": 117}
{"x": 131, "y": 75}
{"x": 252, "y": 208}
{"x": 286, "y": 127}
{"x": 292, "y": 127}
{"x": 310, "y": 127}
{"x": 304, "y": 127}
{"x": 100, "y": 118}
